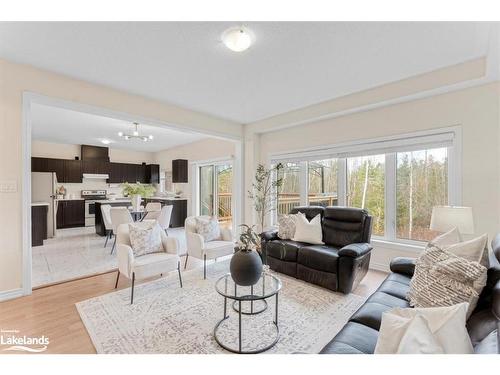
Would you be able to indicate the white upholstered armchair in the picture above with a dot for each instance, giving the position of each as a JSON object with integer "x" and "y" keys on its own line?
{"x": 198, "y": 248}
{"x": 147, "y": 265}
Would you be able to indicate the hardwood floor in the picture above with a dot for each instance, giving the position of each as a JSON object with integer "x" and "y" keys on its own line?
{"x": 51, "y": 311}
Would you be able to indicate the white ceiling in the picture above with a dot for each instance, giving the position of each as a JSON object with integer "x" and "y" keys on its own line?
{"x": 291, "y": 64}
{"x": 66, "y": 126}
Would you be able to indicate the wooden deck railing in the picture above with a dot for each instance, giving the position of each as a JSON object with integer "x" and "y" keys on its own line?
{"x": 285, "y": 203}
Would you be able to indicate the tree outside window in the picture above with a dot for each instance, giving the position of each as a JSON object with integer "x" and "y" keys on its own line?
{"x": 421, "y": 183}
{"x": 366, "y": 188}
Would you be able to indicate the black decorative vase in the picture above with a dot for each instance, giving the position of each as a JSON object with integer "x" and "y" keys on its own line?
{"x": 245, "y": 267}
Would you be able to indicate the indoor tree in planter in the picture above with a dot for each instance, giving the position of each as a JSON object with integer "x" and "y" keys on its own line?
{"x": 266, "y": 183}
{"x": 138, "y": 191}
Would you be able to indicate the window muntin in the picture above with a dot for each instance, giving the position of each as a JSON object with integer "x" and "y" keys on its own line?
{"x": 421, "y": 183}
{"x": 322, "y": 177}
{"x": 366, "y": 188}
{"x": 289, "y": 192}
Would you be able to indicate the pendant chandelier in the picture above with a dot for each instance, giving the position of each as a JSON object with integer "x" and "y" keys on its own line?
{"x": 135, "y": 134}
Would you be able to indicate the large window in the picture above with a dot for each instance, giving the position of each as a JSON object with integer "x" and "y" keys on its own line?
{"x": 322, "y": 182}
{"x": 398, "y": 181}
{"x": 366, "y": 188}
{"x": 421, "y": 183}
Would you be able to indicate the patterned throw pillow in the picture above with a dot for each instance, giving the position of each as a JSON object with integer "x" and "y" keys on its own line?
{"x": 443, "y": 279}
{"x": 208, "y": 228}
{"x": 145, "y": 238}
{"x": 286, "y": 226}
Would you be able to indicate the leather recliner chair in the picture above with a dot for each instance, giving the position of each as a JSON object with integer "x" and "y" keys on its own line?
{"x": 340, "y": 264}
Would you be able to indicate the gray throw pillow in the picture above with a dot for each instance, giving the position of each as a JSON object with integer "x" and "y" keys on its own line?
{"x": 286, "y": 226}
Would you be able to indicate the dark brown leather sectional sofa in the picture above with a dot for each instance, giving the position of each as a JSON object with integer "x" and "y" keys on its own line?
{"x": 340, "y": 264}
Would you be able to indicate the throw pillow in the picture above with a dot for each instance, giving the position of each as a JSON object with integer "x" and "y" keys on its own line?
{"x": 442, "y": 278}
{"x": 309, "y": 232}
{"x": 286, "y": 226}
{"x": 474, "y": 250}
{"x": 208, "y": 228}
{"x": 145, "y": 238}
{"x": 446, "y": 239}
{"x": 424, "y": 330}
{"x": 419, "y": 339}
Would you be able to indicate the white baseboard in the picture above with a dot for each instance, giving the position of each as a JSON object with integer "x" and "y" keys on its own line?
{"x": 10, "y": 294}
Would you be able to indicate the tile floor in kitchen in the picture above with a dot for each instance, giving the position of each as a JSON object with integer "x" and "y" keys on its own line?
{"x": 78, "y": 252}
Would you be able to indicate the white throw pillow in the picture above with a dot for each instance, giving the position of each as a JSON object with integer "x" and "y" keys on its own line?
{"x": 449, "y": 238}
{"x": 308, "y": 232}
{"x": 208, "y": 228}
{"x": 446, "y": 324}
{"x": 286, "y": 226}
{"x": 418, "y": 339}
{"x": 145, "y": 238}
{"x": 472, "y": 250}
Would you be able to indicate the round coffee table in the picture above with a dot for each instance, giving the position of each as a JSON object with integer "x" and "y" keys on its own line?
{"x": 267, "y": 286}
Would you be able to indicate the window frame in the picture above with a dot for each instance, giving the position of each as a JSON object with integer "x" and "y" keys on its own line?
{"x": 430, "y": 139}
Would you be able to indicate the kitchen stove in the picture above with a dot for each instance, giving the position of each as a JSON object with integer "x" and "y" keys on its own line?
{"x": 90, "y": 197}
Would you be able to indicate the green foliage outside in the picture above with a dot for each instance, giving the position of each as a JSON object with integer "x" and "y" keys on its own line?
{"x": 143, "y": 190}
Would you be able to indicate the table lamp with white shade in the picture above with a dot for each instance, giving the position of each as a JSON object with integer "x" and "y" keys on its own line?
{"x": 445, "y": 218}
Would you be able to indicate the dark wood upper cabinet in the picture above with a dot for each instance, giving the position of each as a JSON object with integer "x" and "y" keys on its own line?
{"x": 153, "y": 173}
{"x": 95, "y": 167}
{"x": 179, "y": 171}
{"x": 96, "y": 153}
{"x": 72, "y": 171}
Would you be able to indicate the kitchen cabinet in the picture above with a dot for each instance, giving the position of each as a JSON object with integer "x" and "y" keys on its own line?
{"x": 153, "y": 173}
{"x": 179, "y": 171}
{"x": 116, "y": 173}
{"x": 70, "y": 213}
{"x": 95, "y": 167}
{"x": 38, "y": 224}
{"x": 72, "y": 171}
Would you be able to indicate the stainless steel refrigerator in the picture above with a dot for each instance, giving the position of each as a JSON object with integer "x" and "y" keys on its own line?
{"x": 43, "y": 189}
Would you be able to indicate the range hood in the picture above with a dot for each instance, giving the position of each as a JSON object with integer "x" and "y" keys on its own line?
{"x": 95, "y": 176}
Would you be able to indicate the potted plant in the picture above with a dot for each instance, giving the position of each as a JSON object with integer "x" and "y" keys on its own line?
{"x": 264, "y": 188}
{"x": 138, "y": 191}
{"x": 246, "y": 265}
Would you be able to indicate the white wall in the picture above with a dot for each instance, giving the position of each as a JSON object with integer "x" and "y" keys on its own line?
{"x": 475, "y": 109}
{"x": 206, "y": 149}
{"x": 18, "y": 79}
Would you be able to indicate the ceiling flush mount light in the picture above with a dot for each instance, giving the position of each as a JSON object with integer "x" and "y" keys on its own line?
{"x": 237, "y": 39}
{"x": 135, "y": 134}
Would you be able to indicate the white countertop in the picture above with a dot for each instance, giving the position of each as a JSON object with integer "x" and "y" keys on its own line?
{"x": 169, "y": 199}
{"x": 118, "y": 200}
{"x": 70, "y": 199}
{"x": 40, "y": 203}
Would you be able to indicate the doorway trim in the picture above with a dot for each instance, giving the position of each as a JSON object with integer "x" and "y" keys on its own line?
{"x": 30, "y": 98}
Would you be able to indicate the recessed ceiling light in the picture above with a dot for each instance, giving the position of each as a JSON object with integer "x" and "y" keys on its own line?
{"x": 237, "y": 39}
{"x": 106, "y": 141}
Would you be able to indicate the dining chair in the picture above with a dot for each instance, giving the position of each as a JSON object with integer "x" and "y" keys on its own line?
{"x": 164, "y": 217}
{"x": 119, "y": 215}
{"x": 152, "y": 210}
{"x": 106, "y": 218}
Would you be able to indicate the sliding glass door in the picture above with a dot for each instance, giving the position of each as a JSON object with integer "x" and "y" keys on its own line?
{"x": 216, "y": 190}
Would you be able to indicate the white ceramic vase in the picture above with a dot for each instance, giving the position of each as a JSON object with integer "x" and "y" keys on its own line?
{"x": 136, "y": 202}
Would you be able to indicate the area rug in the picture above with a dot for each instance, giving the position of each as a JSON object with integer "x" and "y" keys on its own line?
{"x": 167, "y": 319}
